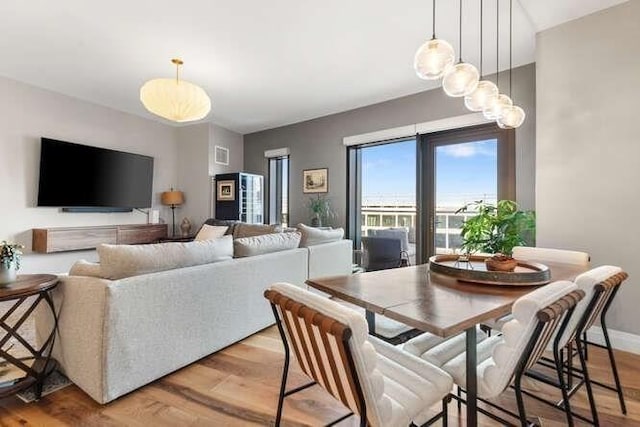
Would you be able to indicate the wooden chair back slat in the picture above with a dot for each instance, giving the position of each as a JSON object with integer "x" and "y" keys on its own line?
{"x": 604, "y": 292}
{"x": 321, "y": 346}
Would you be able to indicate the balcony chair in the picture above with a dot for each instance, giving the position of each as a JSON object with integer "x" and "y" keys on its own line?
{"x": 504, "y": 359}
{"x": 381, "y": 253}
{"x": 541, "y": 255}
{"x": 382, "y": 384}
{"x": 404, "y": 234}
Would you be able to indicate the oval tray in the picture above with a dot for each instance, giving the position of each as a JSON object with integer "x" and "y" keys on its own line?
{"x": 526, "y": 273}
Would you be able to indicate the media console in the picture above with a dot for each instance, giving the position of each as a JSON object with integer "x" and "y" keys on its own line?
{"x": 61, "y": 239}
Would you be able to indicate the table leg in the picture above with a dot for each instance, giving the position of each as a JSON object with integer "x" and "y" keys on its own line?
{"x": 371, "y": 321}
{"x": 472, "y": 378}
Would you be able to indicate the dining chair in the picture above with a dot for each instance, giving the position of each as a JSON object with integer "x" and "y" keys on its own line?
{"x": 562, "y": 256}
{"x": 504, "y": 359}
{"x": 382, "y": 384}
{"x": 600, "y": 285}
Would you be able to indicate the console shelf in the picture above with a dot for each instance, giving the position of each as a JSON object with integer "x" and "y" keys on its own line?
{"x": 62, "y": 239}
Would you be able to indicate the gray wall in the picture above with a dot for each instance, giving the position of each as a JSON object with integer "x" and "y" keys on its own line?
{"x": 28, "y": 113}
{"x": 588, "y": 146}
{"x": 318, "y": 143}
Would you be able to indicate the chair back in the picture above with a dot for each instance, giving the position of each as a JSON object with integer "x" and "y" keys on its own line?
{"x": 551, "y": 255}
{"x": 400, "y": 233}
{"x": 381, "y": 253}
{"x": 600, "y": 286}
{"x": 330, "y": 343}
{"x": 537, "y": 315}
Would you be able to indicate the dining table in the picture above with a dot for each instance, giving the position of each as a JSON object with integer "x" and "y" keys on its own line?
{"x": 436, "y": 303}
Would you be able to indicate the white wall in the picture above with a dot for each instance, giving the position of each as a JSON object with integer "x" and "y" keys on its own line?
{"x": 588, "y": 145}
{"x": 28, "y": 113}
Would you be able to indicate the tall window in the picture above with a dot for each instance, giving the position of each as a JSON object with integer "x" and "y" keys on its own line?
{"x": 279, "y": 190}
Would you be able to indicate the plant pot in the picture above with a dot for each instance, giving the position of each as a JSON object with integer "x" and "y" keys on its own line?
{"x": 7, "y": 275}
{"x": 501, "y": 263}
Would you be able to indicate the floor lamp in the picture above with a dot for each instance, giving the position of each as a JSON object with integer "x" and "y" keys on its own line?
{"x": 173, "y": 199}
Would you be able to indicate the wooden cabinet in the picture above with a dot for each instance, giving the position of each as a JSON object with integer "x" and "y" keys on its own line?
{"x": 60, "y": 239}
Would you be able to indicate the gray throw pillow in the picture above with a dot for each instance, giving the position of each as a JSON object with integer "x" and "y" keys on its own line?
{"x": 314, "y": 236}
{"x": 264, "y": 244}
{"x": 249, "y": 230}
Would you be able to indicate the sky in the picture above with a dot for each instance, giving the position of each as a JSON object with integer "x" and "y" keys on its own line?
{"x": 464, "y": 172}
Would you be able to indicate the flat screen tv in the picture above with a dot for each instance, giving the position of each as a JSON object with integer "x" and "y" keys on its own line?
{"x": 80, "y": 177}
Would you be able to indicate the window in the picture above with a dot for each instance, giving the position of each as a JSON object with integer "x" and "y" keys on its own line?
{"x": 279, "y": 190}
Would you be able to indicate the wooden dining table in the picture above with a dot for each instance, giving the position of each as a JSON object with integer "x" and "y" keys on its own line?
{"x": 435, "y": 303}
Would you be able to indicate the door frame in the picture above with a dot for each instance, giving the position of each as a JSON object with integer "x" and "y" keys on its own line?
{"x": 426, "y": 191}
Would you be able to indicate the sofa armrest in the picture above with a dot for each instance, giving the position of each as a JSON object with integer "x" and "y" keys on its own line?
{"x": 330, "y": 259}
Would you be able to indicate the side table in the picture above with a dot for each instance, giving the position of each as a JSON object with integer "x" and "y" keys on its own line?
{"x": 39, "y": 364}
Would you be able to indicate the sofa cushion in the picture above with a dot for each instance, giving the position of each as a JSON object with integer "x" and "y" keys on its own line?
{"x": 264, "y": 244}
{"x": 120, "y": 261}
{"x": 85, "y": 268}
{"x": 210, "y": 232}
{"x": 223, "y": 223}
{"x": 249, "y": 230}
{"x": 314, "y": 236}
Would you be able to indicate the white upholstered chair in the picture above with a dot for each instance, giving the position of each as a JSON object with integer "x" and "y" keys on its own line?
{"x": 542, "y": 255}
{"x": 506, "y": 357}
{"x": 382, "y": 384}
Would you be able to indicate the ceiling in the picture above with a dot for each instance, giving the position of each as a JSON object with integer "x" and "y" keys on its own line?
{"x": 263, "y": 63}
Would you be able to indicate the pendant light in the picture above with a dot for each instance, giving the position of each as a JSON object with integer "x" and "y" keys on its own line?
{"x": 493, "y": 108}
{"x": 512, "y": 116}
{"x": 486, "y": 90}
{"x": 174, "y": 99}
{"x": 435, "y": 56}
{"x": 461, "y": 79}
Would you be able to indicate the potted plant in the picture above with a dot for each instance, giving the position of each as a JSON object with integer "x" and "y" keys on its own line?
{"x": 321, "y": 210}
{"x": 10, "y": 254}
{"x": 496, "y": 229}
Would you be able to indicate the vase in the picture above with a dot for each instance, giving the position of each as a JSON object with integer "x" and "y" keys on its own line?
{"x": 7, "y": 274}
{"x": 185, "y": 227}
{"x": 501, "y": 263}
{"x": 316, "y": 221}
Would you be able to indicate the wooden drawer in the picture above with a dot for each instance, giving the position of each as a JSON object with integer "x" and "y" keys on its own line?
{"x": 135, "y": 234}
{"x": 47, "y": 240}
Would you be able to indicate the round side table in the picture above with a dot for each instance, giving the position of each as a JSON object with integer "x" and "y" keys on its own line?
{"x": 39, "y": 364}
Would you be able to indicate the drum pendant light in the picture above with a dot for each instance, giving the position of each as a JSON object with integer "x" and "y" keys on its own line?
{"x": 461, "y": 79}
{"x": 174, "y": 99}
{"x": 434, "y": 57}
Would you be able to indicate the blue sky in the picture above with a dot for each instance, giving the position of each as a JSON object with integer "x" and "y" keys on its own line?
{"x": 463, "y": 171}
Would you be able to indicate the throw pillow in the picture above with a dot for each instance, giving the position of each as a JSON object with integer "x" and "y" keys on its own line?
{"x": 85, "y": 268}
{"x": 264, "y": 244}
{"x": 223, "y": 223}
{"x": 120, "y": 261}
{"x": 211, "y": 232}
{"x": 313, "y": 236}
{"x": 249, "y": 230}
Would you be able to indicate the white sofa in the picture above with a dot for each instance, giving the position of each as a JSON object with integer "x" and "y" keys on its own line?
{"x": 118, "y": 335}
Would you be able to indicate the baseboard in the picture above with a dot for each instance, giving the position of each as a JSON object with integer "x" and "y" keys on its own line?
{"x": 619, "y": 340}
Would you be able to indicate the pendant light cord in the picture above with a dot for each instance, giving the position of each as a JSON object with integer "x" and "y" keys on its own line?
{"x": 460, "y": 34}
{"x": 433, "y": 19}
{"x": 481, "y": 32}
{"x": 510, "y": 46}
{"x": 498, "y": 43}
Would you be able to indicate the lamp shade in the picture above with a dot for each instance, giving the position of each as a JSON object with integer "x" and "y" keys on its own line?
{"x": 433, "y": 58}
{"x": 460, "y": 80}
{"x": 178, "y": 101}
{"x": 172, "y": 198}
{"x": 479, "y": 98}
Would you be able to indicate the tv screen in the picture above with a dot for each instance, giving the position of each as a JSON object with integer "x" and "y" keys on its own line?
{"x": 80, "y": 176}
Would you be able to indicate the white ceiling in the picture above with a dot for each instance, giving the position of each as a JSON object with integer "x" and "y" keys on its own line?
{"x": 264, "y": 63}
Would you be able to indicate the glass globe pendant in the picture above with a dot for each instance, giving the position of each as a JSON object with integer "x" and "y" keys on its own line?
{"x": 494, "y": 108}
{"x": 479, "y": 98}
{"x": 511, "y": 117}
{"x": 433, "y": 58}
{"x": 460, "y": 80}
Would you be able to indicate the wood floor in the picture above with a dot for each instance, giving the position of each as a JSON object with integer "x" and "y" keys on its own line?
{"x": 238, "y": 386}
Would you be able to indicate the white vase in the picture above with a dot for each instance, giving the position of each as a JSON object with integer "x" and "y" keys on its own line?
{"x": 7, "y": 275}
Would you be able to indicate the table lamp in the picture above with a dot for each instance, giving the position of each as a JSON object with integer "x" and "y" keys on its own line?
{"x": 172, "y": 198}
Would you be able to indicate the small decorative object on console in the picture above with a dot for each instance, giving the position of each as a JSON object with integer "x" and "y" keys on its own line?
{"x": 10, "y": 254}
{"x": 185, "y": 227}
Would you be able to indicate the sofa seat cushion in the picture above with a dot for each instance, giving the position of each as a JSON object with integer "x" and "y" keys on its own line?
{"x": 211, "y": 232}
{"x": 242, "y": 229}
{"x": 264, "y": 244}
{"x": 314, "y": 236}
{"x": 120, "y": 261}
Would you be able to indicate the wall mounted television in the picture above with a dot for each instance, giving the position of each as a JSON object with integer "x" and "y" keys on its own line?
{"x": 81, "y": 178}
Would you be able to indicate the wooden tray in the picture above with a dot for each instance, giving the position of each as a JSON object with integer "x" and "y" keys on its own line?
{"x": 525, "y": 274}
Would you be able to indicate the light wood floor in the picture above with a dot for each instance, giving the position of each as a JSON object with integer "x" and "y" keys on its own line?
{"x": 238, "y": 386}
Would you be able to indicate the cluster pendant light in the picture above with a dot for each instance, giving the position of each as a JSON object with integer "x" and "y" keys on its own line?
{"x": 435, "y": 58}
{"x": 174, "y": 99}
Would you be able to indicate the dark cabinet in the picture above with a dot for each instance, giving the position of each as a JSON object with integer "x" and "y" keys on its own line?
{"x": 240, "y": 196}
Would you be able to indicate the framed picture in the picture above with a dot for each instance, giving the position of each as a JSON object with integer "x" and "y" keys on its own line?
{"x": 315, "y": 180}
{"x": 226, "y": 190}
{"x": 221, "y": 155}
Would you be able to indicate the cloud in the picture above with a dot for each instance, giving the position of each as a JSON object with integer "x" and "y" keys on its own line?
{"x": 480, "y": 148}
